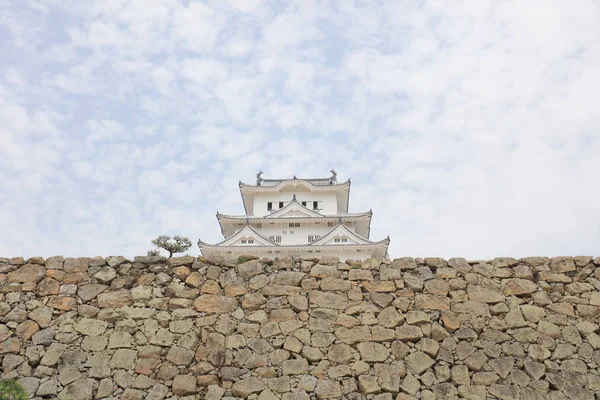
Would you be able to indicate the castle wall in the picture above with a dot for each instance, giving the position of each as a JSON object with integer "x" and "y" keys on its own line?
{"x": 187, "y": 328}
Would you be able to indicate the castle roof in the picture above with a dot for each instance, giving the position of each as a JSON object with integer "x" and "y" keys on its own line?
{"x": 269, "y": 183}
{"x": 318, "y": 215}
{"x": 246, "y": 231}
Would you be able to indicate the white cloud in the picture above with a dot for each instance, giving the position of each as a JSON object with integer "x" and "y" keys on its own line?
{"x": 197, "y": 25}
{"x": 201, "y": 71}
{"x": 104, "y": 130}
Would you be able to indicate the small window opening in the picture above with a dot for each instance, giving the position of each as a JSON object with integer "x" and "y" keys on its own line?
{"x": 269, "y": 206}
{"x": 315, "y": 205}
{"x": 281, "y": 204}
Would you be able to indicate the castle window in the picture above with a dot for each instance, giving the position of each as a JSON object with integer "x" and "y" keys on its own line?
{"x": 281, "y": 204}
{"x": 269, "y": 206}
{"x": 294, "y": 224}
{"x": 315, "y": 205}
{"x": 259, "y": 225}
{"x": 310, "y": 238}
{"x": 277, "y": 239}
{"x": 304, "y": 203}
{"x": 344, "y": 240}
{"x": 337, "y": 240}
{"x": 243, "y": 241}
{"x": 250, "y": 240}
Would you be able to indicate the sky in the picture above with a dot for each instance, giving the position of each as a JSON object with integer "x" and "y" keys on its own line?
{"x": 470, "y": 128}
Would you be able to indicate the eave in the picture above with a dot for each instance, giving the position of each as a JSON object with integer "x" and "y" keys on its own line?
{"x": 321, "y": 217}
{"x": 384, "y": 242}
{"x": 273, "y": 183}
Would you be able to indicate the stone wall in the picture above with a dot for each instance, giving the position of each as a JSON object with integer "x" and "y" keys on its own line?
{"x": 187, "y": 328}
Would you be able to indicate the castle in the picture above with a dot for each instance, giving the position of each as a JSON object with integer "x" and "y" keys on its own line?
{"x": 299, "y": 218}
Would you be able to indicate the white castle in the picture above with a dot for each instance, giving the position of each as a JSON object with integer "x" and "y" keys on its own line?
{"x": 299, "y": 218}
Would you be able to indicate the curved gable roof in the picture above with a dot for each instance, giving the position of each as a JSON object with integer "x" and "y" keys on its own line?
{"x": 342, "y": 230}
{"x": 295, "y": 205}
{"x": 245, "y": 231}
{"x": 272, "y": 183}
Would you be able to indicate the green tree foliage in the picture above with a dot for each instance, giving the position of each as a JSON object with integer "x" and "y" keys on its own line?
{"x": 11, "y": 390}
{"x": 153, "y": 252}
{"x": 178, "y": 244}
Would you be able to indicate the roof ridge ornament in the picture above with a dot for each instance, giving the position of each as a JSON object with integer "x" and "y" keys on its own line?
{"x": 259, "y": 178}
{"x": 295, "y": 177}
{"x": 333, "y": 179}
{"x": 294, "y": 198}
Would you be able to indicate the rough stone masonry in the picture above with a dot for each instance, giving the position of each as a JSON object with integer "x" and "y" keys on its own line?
{"x": 192, "y": 328}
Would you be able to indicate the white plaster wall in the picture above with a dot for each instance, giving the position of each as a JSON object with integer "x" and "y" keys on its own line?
{"x": 328, "y": 201}
{"x": 300, "y": 235}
